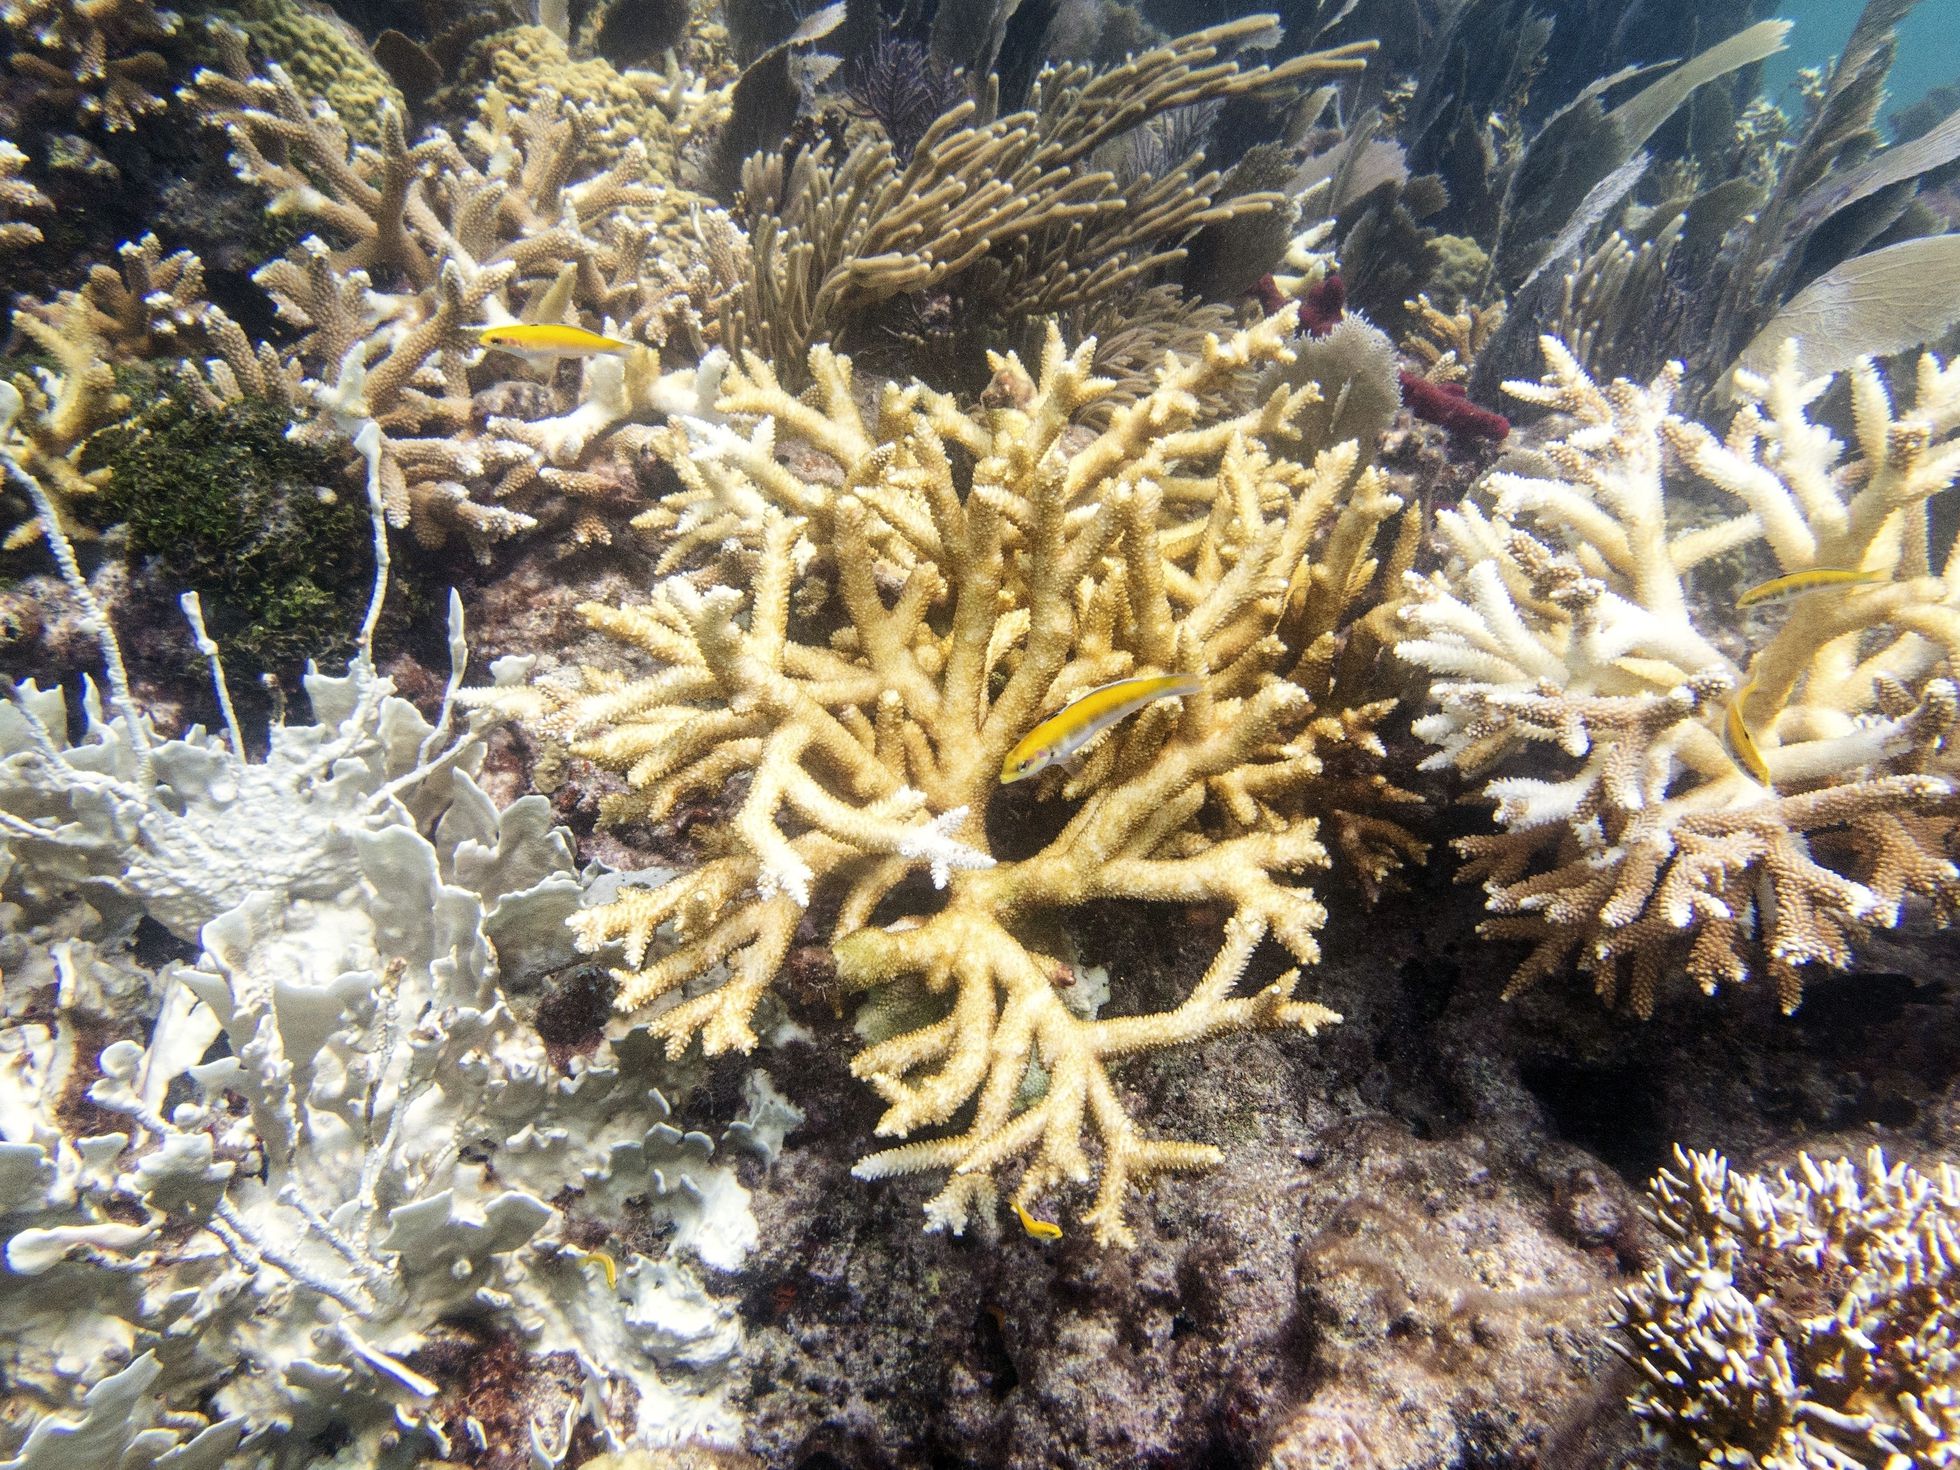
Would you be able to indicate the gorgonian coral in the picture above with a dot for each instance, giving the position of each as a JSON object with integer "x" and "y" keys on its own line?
{"x": 902, "y": 86}
{"x": 1012, "y": 213}
{"x": 1733, "y": 811}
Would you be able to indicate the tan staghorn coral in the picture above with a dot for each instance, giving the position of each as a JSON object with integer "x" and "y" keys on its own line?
{"x": 421, "y": 244}
{"x": 61, "y": 407}
{"x": 92, "y": 60}
{"x": 148, "y": 305}
{"x": 18, "y": 196}
{"x": 988, "y": 565}
{"x": 1731, "y": 811}
{"x": 1012, "y": 211}
{"x": 152, "y": 307}
{"x": 1446, "y": 343}
{"x": 1800, "y": 1322}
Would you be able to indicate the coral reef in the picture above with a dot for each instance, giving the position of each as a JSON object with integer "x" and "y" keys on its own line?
{"x": 249, "y": 1253}
{"x": 435, "y": 240}
{"x": 1801, "y": 1318}
{"x": 1731, "y": 813}
{"x": 1166, "y": 541}
{"x": 871, "y": 383}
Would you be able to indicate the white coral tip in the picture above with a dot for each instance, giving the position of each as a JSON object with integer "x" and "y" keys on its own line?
{"x": 934, "y": 843}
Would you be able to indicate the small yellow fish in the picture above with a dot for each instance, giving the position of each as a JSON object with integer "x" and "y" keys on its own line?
{"x": 1742, "y": 746}
{"x": 1039, "y": 1229}
{"x": 604, "y": 1262}
{"x": 1074, "y": 725}
{"x": 542, "y": 339}
{"x": 1814, "y": 579}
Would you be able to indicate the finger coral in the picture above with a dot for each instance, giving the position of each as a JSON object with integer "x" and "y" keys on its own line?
{"x": 988, "y": 565}
{"x": 1803, "y": 1320}
{"x": 1731, "y": 811}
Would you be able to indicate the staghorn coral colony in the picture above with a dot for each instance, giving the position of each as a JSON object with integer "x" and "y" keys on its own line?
{"x": 542, "y": 538}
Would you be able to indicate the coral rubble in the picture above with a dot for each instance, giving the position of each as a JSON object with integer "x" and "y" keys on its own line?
{"x": 972, "y": 601}
{"x": 1736, "y": 813}
{"x": 1803, "y": 1318}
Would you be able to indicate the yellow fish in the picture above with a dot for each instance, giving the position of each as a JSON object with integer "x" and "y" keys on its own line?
{"x": 1742, "y": 746}
{"x": 1039, "y": 1229}
{"x": 604, "y": 1262}
{"x": 1815, "y": 579}
{"x": 1073, "y": 726}
{"x": 542, "y": 339}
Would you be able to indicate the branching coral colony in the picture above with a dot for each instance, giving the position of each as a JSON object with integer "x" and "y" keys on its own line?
{"x": 971, "y": 604}
{"x": 1736, "y": 811}
{"x": 1800, "y": 1320}
{"x": 419, "y": 244}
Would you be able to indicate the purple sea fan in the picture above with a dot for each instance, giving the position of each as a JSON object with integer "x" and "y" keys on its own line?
{"x": 902, "y": 87}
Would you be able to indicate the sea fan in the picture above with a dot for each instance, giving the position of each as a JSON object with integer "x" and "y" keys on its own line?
{"x": 902, "y": 87}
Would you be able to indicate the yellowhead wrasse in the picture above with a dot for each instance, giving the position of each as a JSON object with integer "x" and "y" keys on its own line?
{"x": 1741, "y": 745}
{"x": 604, "y": 1262}
{"x": 1039, "y": 1229}
{"x": 1814, "y": 579}
{"x": 1073, "y": 726}
{"x": 543, "y": 339}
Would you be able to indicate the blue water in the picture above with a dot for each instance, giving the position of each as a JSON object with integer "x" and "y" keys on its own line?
{"x": 1929, "y": 45}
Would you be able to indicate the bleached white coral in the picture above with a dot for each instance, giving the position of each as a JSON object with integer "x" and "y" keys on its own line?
{"x": 378, "y": 1145}
{"x": 255, "y": 1199}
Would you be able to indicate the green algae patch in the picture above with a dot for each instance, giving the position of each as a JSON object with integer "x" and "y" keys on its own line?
{"x": 251, "y": 520}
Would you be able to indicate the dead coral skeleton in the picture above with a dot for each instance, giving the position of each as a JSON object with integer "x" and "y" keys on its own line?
{"x": 1800, "y": 1319}
{"x": 1168, "y": 540}
{"x": 1563, "y": 619}
{"x": 216, "y": 1259}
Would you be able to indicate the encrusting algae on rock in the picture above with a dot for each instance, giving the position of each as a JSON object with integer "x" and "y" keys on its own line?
{"x": 968, "y": 602}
